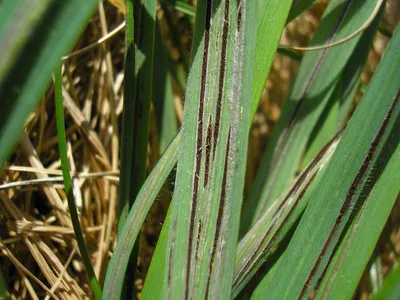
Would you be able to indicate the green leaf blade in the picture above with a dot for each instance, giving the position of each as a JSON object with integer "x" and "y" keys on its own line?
{"x": 325, "y": 218}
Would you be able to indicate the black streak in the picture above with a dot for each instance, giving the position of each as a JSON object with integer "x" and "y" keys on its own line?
{"x": 208, "y": 151}
{"x": 199, "y": 140}
{"x": 352, "y": 190}
{"x": 221, "y": 74}
{"x": 292, "y": 191}
{"x": 220, "y": 213}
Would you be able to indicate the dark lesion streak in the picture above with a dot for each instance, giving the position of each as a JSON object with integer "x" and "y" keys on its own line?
{"x": 220, "y": 213}
{"x": 249, "y": 266}
{"x": 225, "y": 31}
{"x": 199, "y": 142}
{"x": 198, "y": 239}
{"x": 352, "y": 190}
{"x": 208, "y": 151}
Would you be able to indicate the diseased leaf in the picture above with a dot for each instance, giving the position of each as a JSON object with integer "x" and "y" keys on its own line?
{"x": 214, "y": 133}
{"x": 315, "y": 82}
{"x": 266, "y": 235}
{"x": 332, "y": 203}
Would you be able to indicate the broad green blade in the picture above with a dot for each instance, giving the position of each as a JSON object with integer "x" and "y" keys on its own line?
{"x": 215, "y": 130}
{"x": 315, "y": 82}
{"x": 382, "y": 187}
{"x": 137, "y": 215}
{"x": 271, "y": 21}
{"x": 391, "y": 287}
{"x": 332, "y": 203}
{"x": 266, "y": 235}
{"x": 33, "y": 37}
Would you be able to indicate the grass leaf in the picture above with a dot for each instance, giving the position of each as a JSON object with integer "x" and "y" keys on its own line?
{"x": 137, "y": 215}
{"x": 62, "y": 145}
{"x": 34, "y": 35}
{"x": 315, "y": 82}
{"x": 333, "y": 201}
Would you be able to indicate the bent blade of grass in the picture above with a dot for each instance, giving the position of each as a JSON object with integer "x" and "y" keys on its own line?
{"x": 382, "y": 187}
{"x": 315, "y": 82}
{"x": 332, "y": 203}
{"x": 338, "y": 108}
{"x": 62, "y": 145}
{"x": 31, "y": 49}
{"x": 265, "y": 236}
{"x": 137, "y": 215}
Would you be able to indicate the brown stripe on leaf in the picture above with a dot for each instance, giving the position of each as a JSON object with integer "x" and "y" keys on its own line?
{"x": 247, "y": 267}
{"x": 352, "y": 190}
{"x": 220, "y": 213}
{"x": 199, "y": 140}
{"x": 299, "y": 181}
{"x": 208, "y": 151}
{"x": 221, "y": 74}
{"x": 198, "y": 240}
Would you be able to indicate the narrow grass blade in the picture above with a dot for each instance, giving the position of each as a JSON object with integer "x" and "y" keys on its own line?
{"x": 382, "y": 187}
{"x": 62, "y": 145}
{"x": 33, "y": 37}
{"x": 137, "y": 215}
{"x": 265, "y": 236}
{"x": 185, "y": 8}
{"x": 315, "y": 82}
{"x": 341, "y": 184}
{"x": 141, "y": 18}
{"x": 138, "y": 90}
{"x": 391, "y": 287}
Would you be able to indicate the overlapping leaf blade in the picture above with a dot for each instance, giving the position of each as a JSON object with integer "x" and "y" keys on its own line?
{"x": 266, "y": 235}
{"x": 382, "y": 187}
{"x": 316, "y": 80}
{"x": 333, "y": 201}
{"x": 337, "y": 110}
